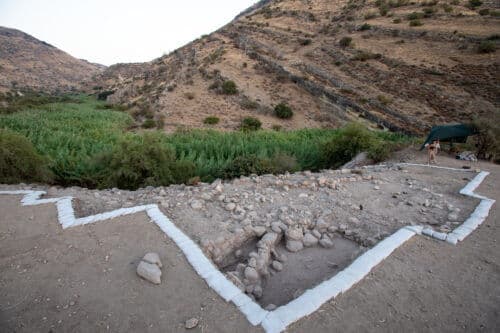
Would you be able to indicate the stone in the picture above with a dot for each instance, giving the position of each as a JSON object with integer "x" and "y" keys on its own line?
{"x": 294, "y": 233}
{"x": 270, "y": 238}
{"x": 152, "y": 258}
{"x": 149, "y": 272}
{"x": 259, "y": 230}
{"x": 230, "y": 206}
{"x": 270, "y": 307}
{"x": 277, "y": 265}
{"x": 316, "y": 233}
{"x": 206, "y": 196}
{"x": 453, "y": 216}
{"x": 326, "y": 242}
{"x": 294, "y": 245}
{"x": 309, "y": 240}
{"x": 191, "y": 323}
{"x": 353, "y": 220}
{"x": 252, "y": 262}
{"x": 322, "y": 181}
{"x": 376, "y": 188}
{"x": 257, "y": 291}
{"x": 275, "y": 226}
{"x": 196, "y": 204}
{"x": 427, "y": 203}
{"x": 251, "y": 274}
{"x": 321, "y": 225}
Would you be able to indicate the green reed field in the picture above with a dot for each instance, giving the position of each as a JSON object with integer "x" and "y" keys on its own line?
{"x": 87, "y": 144}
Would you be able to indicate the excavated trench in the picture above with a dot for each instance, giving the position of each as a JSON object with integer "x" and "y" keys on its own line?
{"x": 286, "y": 275}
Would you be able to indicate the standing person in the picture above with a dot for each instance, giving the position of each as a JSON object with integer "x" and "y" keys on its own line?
{"x": 431, "y": 152}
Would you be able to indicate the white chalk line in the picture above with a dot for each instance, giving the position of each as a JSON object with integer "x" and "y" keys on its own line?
{"x": 274, "y": 321}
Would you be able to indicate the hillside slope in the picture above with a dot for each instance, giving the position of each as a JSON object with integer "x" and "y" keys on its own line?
{"x": 26, "y": 62}
{"x": 396, "y": 64}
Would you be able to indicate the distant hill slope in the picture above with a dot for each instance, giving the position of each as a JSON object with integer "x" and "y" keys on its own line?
{"x": 26, "y": 62}
{"x": 392, "y": 63}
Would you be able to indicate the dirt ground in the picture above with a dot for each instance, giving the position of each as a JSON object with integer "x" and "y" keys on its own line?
{"x": 83, "y": 279}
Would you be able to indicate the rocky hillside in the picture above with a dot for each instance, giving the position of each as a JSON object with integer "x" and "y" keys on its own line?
{"x": 26, "y": 62}
{"x": 397, "y": 64}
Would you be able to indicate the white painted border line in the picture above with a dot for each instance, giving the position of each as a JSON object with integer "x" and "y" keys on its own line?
{"x": 277, "y": 320}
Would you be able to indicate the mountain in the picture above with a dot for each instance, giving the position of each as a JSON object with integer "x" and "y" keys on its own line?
{"x": 28, "y": 63}
{"x": 395, "y": 64}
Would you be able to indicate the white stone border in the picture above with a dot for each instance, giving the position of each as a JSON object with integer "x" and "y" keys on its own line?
{"x": 275, "y": 321}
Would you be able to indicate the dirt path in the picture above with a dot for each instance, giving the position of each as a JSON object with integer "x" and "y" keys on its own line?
{"x": 83, "y": 279}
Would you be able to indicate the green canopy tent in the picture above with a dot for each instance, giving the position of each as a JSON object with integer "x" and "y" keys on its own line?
{"x": 450, "y": 133}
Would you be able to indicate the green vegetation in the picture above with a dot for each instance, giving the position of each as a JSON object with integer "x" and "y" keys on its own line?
{"x": 488, "y": 138}
{"x": 486, "y": 46}
{"x": 414, "y": 16}
{"x": 83, "y": 144}
{"x": 396, "y": 20}
{"x": 345, "y": 41}
{"x": 229, "y": 88}
{"x": 149, "y": 123}
{"x": 19, "y": 160}
{"x": 16, "y": 101}
{"x": 364, "y": 27}
{"x": 250, "y": 124}
{"x": 475, "y": 3}
{"x": 415, "y": 23}
{"x": 283, "y": 111}
{"x": 211, "y": 120}
{"x": 364, "y": 56}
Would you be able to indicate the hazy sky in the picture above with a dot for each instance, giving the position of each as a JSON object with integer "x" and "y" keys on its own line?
{"x": 111, "y": 31}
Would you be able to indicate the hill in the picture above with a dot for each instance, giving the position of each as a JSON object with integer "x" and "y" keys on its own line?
{"x": 395, "y": 64}
{"x": 28, "y": 63}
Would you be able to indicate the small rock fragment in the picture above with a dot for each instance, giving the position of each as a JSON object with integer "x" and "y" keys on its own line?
{"x": 309, "y": 240}
{"x": 149, "y": 272}
{"x": 152, "y": 258}
{"x": 191, "y": 323}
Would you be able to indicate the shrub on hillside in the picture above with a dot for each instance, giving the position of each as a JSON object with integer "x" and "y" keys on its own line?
{"x": 352, "y": 139}
{"x": 283, "y": 111}
{"x": 364, "y": 27}
{"x": 345, "y": 41}
{"x": 141, "y": 161}
{"x": 414, "y": 16}
{"x": 475, "y": 3}
{"x": 19, "y": 161}
{"x": 149, "y": 123}
{"x": 486, "y": 47}
{"x": 415, "y": 23}
{"x": 211, "y": 120}
{"x": 102, "y": 96}
{"x": 229, "y": 88}
{"x": 250, "y": 124}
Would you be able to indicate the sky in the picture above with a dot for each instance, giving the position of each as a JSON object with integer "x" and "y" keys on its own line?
{"x": 113, "y": 31}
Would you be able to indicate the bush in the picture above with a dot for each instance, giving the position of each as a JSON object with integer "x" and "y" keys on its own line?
{"x": 488, "y": 138}
{"x": 305, "y": 41}
{"x": 102, "y": 96}
{"x": 352, "y": 139}
{"x": 475, "y": 3}
{"x": 211, "y": 120}
{"x": 250, "y": 124}
{"x": 283, "y": 111}
{"x": 414, "y": 16}
{"x": 416, "y": 23}
{"x": 370, "y": 15}
{"x": 229, "y": 88}
{"x": 189, "y": 95}
{"x": 149, "y": 123}
{"x": 396, "y": 20}
{"x": 363, "y": 56}
{"x": 365, "y": 27}
{"x": 141, "y": 161}
{"x": 252, "y": 164}
{"x": 384, "y": 100}
{"x": 345, "y": 41}
{"x": 486, "y": 47}
{"x": 247, "y": 103}
{"x": 19, "y": 161}
{"x": 484, "y": 12}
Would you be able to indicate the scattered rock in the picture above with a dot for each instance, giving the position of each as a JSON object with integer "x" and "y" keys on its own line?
{"x": 152, "y": 258}
{"x": 149, "y": 272}
{"x": 270, "y": 307}
{"x": 230, "y": 206}
{"x": 251, "y": 274}
{"x": 191, "y": 323}
{"x": 309, "y": 240}
{"x": 326, "y": 242}
{"x": 259, "y": 230}
{"x": 277, "y": 265}
{"x": 196, "y": 204}
{"x": 294, "y": 245}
